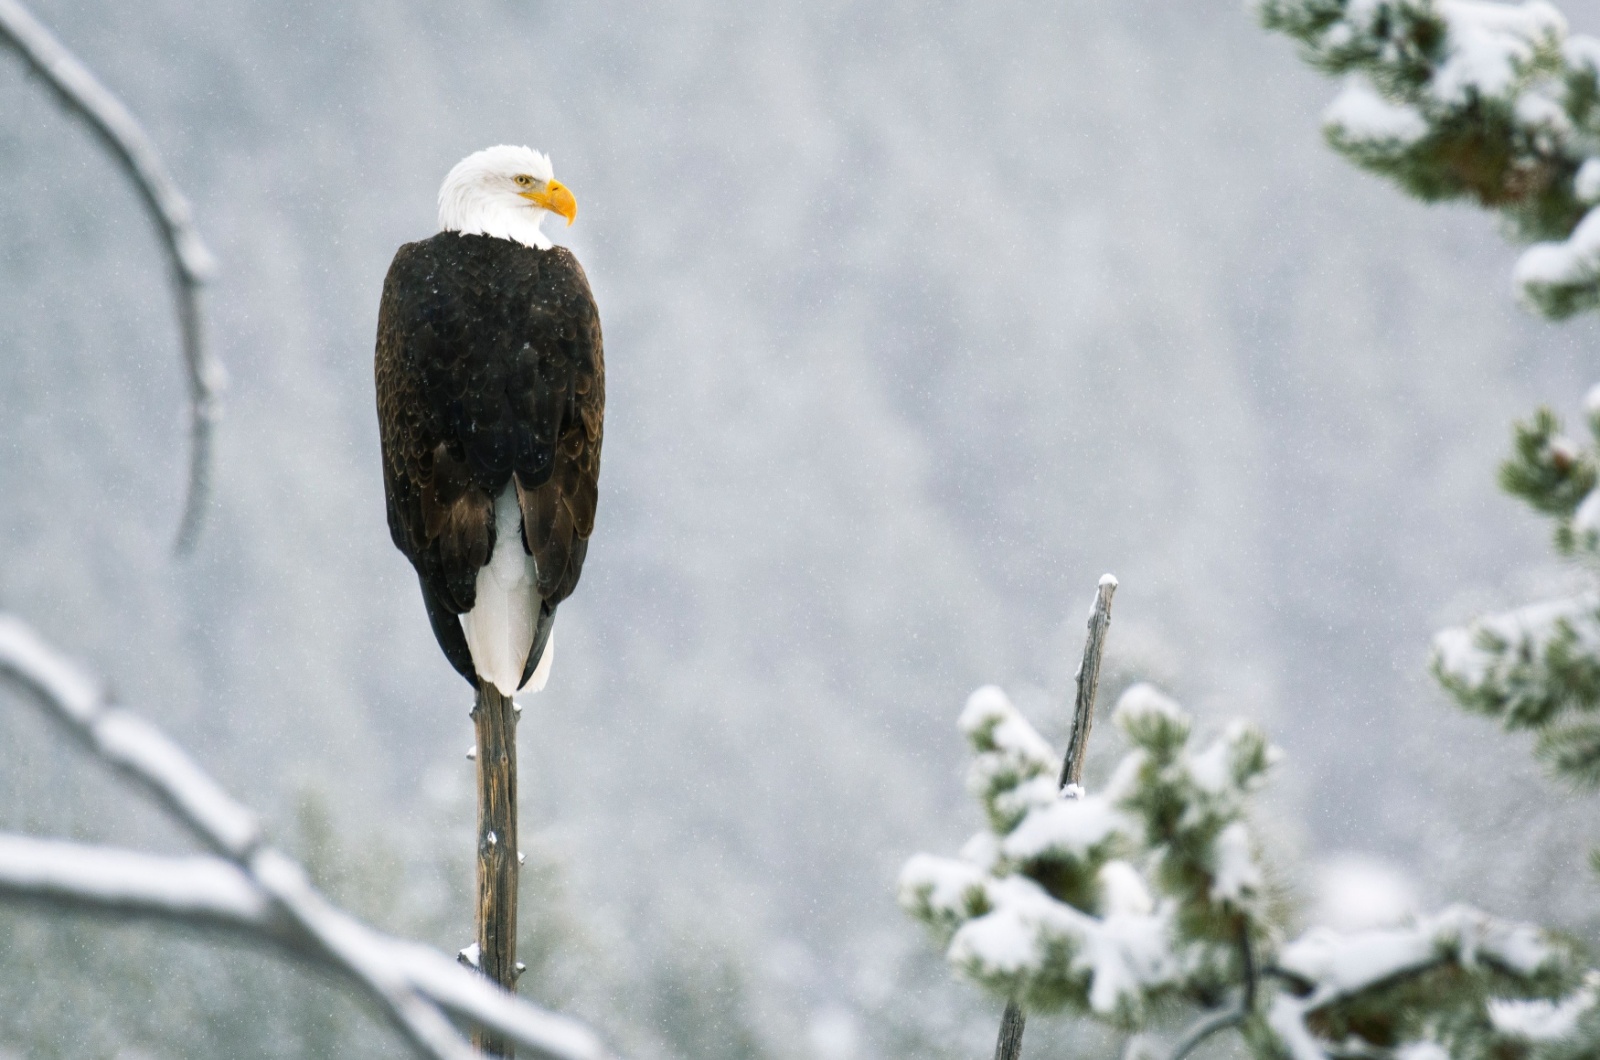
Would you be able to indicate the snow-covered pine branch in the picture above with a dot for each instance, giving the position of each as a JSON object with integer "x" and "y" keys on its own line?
{"x": 1537, "y": 668}
{"x": 1112, "y": 903}
{"x": 1533, "y": 668}
{"x": 1497, "y": 103}
{"x": 1106, "y": 902}
{"x": 1492, "y": 102}
{"x": 1556, "y": 476}
{"x": 191, "y": 262}
{"x": 246, "y": 887}
{"x": 1458, "y": 984}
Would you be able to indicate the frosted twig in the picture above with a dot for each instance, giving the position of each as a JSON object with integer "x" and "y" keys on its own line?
{"x": 249, "y": 888}
{"x": 1008, "y": 1046}
{"x": 192, "y": 264}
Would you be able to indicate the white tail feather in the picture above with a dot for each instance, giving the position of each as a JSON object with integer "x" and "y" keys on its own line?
{"x": 541, "y": 673}
{"x": 500, "y": 626}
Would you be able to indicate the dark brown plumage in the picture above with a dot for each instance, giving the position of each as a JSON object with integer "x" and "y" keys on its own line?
{"x": 490, "y": 370}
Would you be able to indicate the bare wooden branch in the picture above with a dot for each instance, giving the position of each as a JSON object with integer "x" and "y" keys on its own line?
{"x": 250, "y": 888}
{"x": 1088, "y": 682}
{"x": 495, "y": 720}
{"x": 1008, "y": 1046}
{"x": 192, "y": 264}
{"x": 1232, "y": 1016}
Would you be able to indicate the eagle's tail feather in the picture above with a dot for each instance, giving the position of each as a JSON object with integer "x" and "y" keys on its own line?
{"x": 448, "y": 632}
{"x": 543, "y": 652}
{"x": 501, "y": 626}
{"x": 539, "y": 674}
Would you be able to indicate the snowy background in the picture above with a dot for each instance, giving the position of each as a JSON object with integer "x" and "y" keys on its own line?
{"x": 919, "y": 317}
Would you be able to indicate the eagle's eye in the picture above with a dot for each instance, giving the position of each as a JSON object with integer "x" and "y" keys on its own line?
{"x": 523, "y": 180}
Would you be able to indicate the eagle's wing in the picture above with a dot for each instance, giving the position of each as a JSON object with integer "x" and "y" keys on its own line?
{"x": 490, "y": 370}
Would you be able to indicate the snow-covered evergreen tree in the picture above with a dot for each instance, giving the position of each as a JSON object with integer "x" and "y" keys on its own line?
{"x": 1121, "y": 904}
{"x": 1500, "y": 104}
{"x": 1461, "y": 99}
{"x": 1147, "y": 901}
{"x": 1538, "y": 667}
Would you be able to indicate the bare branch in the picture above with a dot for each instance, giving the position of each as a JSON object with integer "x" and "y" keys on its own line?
{"x": 192, "y": 264}
{"x": 1247, "y": 966}
{"x": 1204, "y": 1028}
{"x": 1210, "y": 1024}
{"x": 251, "y": 888}
{"x": 1088, "y": 682}
{"x": 494, "y": 720}
{"x": 1009, "y": 1044}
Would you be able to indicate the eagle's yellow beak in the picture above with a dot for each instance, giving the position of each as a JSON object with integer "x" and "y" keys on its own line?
{"x": 556, "y": 198}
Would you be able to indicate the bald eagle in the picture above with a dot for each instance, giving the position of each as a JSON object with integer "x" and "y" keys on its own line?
{"x": 491, "y": 395}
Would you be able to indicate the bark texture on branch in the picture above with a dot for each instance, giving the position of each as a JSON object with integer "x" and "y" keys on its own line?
{"x": 1088, "y": 681}
{"x": 495, "y": 721}
{"x": 1009, "y": 1044}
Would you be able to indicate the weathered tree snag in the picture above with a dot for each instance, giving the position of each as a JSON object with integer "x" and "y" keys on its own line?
{"x": 495, "y": 720}
{"x": 1008, "y": 1046}
{"x": 1088, "y": 682}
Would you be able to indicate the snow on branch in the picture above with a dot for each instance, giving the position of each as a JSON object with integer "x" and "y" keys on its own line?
{"x": 139, "y": 751}
{"x": 1150, "y": 896}
{"x": 1435, "y": 981}
{"x": 1533, "y": 668}
{"x": 1493, "y": 102}
{"x": 245, "y": 887}
{"x": 1537, "y": 668}
{"x": 1527, "y": 666}
{"x": 1047, "y": 904}
{"x": 1497, "y": 103}
{"x": 192, "y": 264}
{"x": 203, "y": 891}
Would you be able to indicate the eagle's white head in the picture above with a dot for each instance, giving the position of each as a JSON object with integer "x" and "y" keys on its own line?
{"x": 504, "y": 192}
